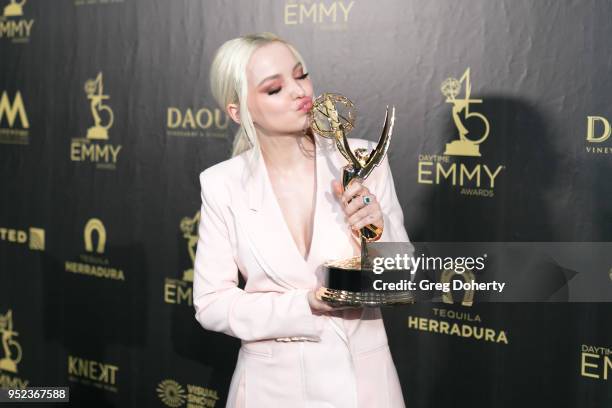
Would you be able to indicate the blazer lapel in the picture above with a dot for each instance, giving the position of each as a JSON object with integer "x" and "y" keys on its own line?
{"x": 270, "y": 239}
{"x": 332, "y": 233}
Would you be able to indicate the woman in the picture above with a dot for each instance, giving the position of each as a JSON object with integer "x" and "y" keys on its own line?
{"x": 275, "y": 212}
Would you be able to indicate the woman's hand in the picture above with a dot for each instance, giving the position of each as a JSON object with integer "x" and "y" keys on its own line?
{"x": 357, "y": 212}
{"x": 317, "y": 305}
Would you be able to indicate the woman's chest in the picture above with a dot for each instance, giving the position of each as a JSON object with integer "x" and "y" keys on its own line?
{"x": 296, "y": 200}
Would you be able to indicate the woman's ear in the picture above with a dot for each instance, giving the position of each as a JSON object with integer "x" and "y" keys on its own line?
{"x": 233, "y": 110}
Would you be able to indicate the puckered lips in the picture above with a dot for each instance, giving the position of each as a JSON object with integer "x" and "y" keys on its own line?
{"x": 305, "y": 104}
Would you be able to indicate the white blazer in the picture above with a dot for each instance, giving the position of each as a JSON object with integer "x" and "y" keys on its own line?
{"x": 290, "y": 357}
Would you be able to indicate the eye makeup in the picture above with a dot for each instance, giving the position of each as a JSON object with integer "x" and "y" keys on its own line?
{"x": 277, "y": 90}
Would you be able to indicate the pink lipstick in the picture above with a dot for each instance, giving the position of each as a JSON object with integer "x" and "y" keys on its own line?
{"x": 305, "y": 106}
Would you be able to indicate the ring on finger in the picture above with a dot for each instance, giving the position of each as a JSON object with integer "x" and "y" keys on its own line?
{"x": 367, "y": 200}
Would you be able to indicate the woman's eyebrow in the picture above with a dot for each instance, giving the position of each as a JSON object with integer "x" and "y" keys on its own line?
{"x": 277, "y": 75}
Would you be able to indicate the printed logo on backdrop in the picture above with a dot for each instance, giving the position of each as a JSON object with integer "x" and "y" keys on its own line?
{"x": 598, "y": 132}
{"x": 93, "y": 373}
{"x": 450, "y": 322}
{"x": 596, "y": 362}
{"x": 174, "y": 395}
{"x": 93, "y": 262}
{"x": 468, "y": 295}
{"x": 11, "y": 354}
{"x": 459, "y": 166}
{"x": 180, "y": 291}
{"x": 13, "y": 25}
{"x": 324, "y": 15}
{"x": 95, "y": 146}
{"x": 96, "y": 2}
{"x": 34, "y": 238}
{"x": 197, "y": 122}
{"x": 14, "y": 123}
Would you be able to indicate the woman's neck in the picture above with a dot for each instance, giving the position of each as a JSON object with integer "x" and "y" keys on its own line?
{"x": 287, "y": 153}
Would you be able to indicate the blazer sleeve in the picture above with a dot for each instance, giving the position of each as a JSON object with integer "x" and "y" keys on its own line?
{"x": 221, "y": 305}
{"x": 383, "y": 187}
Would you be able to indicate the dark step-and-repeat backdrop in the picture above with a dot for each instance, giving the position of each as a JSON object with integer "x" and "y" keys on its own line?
{"x": 106, "y": 119}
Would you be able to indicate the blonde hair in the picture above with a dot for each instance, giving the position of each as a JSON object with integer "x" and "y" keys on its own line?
{"x": 228, "y": 82}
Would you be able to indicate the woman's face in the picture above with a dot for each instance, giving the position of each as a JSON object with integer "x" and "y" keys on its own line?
{"x": 279, "y": 91}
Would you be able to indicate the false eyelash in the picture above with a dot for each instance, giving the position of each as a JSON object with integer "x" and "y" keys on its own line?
{"x": 275, "y": 91}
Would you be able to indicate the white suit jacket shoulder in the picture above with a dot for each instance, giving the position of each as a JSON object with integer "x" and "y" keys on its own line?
{"x": 222, "y": 176}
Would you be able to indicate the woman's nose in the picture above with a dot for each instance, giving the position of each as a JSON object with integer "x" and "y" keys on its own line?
{"x": 297, "y": 90}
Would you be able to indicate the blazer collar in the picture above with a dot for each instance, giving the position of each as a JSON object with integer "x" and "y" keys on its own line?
{"x": 255, "y": 179}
